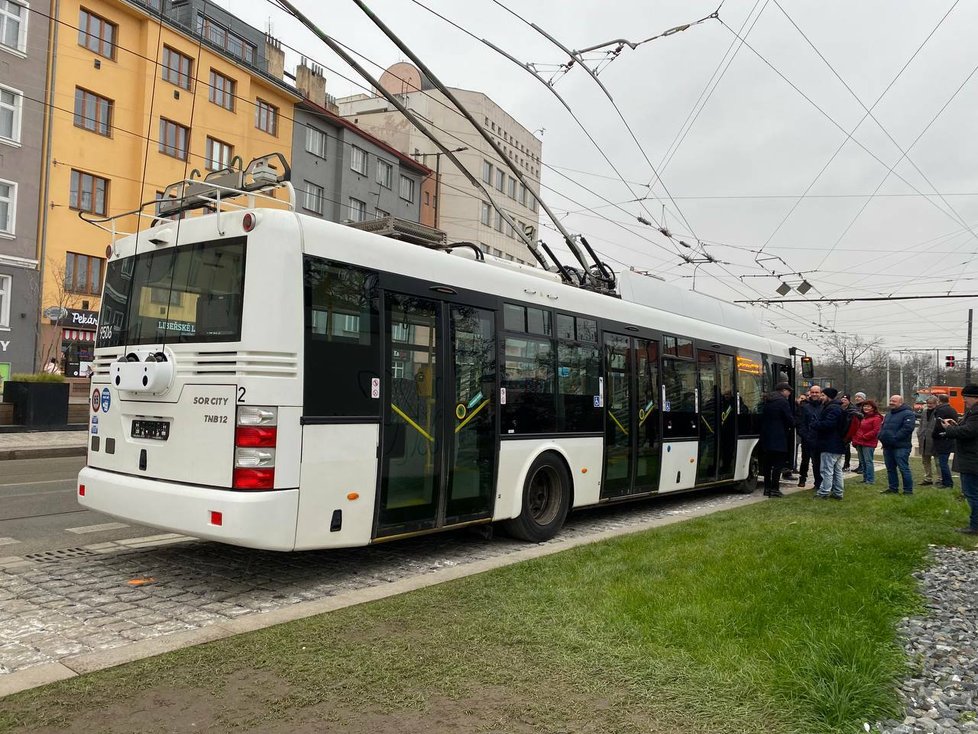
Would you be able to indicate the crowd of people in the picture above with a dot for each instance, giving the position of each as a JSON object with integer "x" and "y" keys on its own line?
{"x": 828, "y": 425}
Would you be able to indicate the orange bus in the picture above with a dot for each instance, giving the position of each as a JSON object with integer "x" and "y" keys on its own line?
{"x": 954, "y": 397}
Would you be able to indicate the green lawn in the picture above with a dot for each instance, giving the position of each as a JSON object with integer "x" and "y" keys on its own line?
{"x": 775, "y": 617}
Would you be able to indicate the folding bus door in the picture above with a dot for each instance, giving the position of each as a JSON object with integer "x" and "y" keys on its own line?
{"x": 709, "y": 416}
{"x": 438, "y": 447}
{"x": 633, "y": 443}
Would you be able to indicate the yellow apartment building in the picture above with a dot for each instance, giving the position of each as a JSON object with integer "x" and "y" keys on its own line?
{"x": 139, "y": 95}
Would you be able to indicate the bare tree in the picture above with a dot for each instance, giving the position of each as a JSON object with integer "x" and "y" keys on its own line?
{"x": 851, "y": 353}
{"x": 58, "y": 299}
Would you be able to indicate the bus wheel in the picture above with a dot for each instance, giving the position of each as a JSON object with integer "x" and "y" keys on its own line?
{"x": 546, "y": 499}
{"x": 748, "y": 485}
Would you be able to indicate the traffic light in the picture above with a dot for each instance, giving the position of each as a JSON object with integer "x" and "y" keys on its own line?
{"x": 949, "y": 361}
{"x": 807, "y": 367}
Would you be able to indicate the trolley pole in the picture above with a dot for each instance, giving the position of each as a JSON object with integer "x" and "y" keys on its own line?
{"x": 967, "y": 359}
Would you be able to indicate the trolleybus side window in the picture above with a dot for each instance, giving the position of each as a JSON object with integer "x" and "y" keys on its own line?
{"x": 579, "y": 407}
{"x": 201, "y": 285}
{"x": 342, "y": 344}
{"x": 679, "y": 404}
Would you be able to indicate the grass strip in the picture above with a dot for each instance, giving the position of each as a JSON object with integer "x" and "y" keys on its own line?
{"x": 776, "y": 617}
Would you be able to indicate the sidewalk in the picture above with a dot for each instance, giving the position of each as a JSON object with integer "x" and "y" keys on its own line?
{"x": 42, "y": 444}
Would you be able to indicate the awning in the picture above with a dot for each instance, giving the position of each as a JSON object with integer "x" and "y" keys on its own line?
{"x": 79, "y": 335}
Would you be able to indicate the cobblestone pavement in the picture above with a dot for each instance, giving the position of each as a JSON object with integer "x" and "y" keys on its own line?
{"x": 106, "y": 596}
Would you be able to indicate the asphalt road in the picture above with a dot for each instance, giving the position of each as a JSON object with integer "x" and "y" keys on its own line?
{"x": 39, "y": 512}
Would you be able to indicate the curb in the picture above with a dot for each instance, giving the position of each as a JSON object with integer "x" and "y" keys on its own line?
{"x": 42, "y": 453}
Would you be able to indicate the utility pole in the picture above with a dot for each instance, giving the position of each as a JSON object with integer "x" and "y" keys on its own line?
{"x": 423, "y": 156}
{"x": 967, "y": 359}
{"x": 887, "y": 376}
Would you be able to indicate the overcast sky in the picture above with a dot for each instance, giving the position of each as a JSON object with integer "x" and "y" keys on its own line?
{"x": 733, "y": 180}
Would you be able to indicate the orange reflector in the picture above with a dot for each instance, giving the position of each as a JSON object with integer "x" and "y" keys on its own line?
{"x": 217, "y": 518}
{"x": 584, "y": 470}
{"x": 81, "y": 490}
{"x": 141, "y": 582}
{"x": 353, "y": 496}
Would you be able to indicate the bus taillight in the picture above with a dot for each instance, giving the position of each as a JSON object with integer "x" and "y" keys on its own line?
{"x": 255, "y": 436}
{"x": 254, "y": 478}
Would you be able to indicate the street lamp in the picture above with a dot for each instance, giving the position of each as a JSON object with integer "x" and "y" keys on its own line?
{"x": 438, "y": 156}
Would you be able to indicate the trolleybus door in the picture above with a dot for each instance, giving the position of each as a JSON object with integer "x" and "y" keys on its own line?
{"x": 728, "y": 416}
{"x": 709, "y": 416}
{"x": 438, "y": 454}
{"x": 632, "y": 438}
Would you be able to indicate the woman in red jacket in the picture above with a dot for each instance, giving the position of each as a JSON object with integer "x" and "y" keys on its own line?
{"x": 865, "y": 439}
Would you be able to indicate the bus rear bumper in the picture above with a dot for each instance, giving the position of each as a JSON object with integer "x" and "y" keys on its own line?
{"x": 263, "y": 520}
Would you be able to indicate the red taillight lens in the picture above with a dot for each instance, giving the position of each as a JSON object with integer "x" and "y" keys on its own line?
{"x": 255, "y": 436}
{"x": 81, "y": 490}
{"x": 217, "y": 518}
{"x": 254, "y": 479}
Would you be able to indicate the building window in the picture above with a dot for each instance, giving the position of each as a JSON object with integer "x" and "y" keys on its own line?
{"x": 512, "y": 188}
{"x": 97, "y": 34}
{"x": 88, "y": 193}
{"x": 385, "y": 173}
{"x": 176, "y": 67}
{"x": 11, "y": 106}
{"x": 500, "y": 180}
{"x": 315, "y": 141}
{"x": 500, "y": 222}
{"x": 8, "y": 206}
{"x": 487, "y": 172}
{"x": 13, "y": 25}
{"x": 358, "y": 160}
{"x": 522, "y": 194}
{"x": 407, "y": 189}
{"x": 219, "y": 155}
{"x": 222, "y": 91}
{"x": 6, "y": 283}
{"x": 225, "y": 39}
{"x": 266, "y": 117}
{"x": 173, "y": 139}
{"x": 93, "y": 112}
{"x": 486, "y": 217}
{"x": 380, "y": 213}
{"x": 314, "y": 197}
{"x": 83, "y": 274}
{"x": 358, "y": 210}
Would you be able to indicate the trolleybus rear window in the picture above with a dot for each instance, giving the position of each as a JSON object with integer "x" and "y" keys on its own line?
{"x": 180, "y": 294}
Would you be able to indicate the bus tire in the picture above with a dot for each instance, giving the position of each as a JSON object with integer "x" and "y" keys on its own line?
{"x": 546, "y": 500}
{"x": 748, "y": 485}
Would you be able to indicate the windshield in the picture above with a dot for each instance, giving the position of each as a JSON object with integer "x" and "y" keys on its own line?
{"x": 177, "y": 295}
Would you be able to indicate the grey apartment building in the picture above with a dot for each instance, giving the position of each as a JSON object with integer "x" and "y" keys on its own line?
{"x": 340, "y": 172}
{"x": 23, "y": 46}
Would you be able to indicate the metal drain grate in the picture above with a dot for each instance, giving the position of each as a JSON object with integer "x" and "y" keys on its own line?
{"x": 62, "y": 554}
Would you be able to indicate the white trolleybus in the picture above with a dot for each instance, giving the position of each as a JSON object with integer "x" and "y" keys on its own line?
{"x": 268, "y": 379}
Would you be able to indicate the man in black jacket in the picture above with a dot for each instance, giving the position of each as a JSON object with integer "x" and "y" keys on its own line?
{"x": 776, "y": 424}
{"x": 965, "y": 435}
{"x": 943, "y": 446}
{"x": 830, "y": 429}
{"x": 806, "y": 415}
